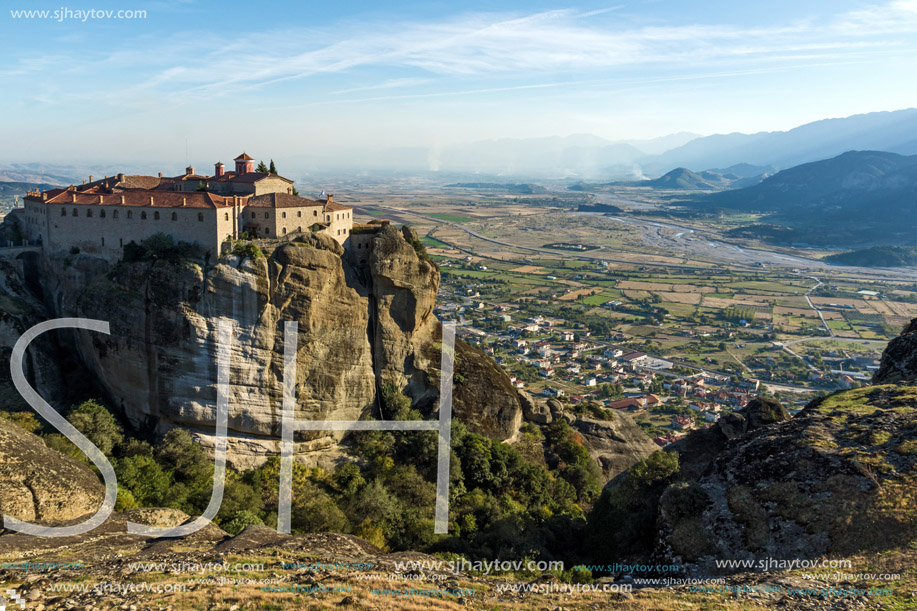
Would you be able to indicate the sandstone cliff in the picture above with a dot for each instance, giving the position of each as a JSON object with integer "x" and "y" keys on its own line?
{"x": 899, "y": 360}
{"x": 836, "y": 479}
{"x": 359, "y": 327}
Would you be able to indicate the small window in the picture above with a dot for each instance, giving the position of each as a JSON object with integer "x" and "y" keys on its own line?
{"x": 226, "y": 216}
{"x": 114, "y": 214}
{"x": 121, "y": 242}
{"x": 200, "y": 216}
{"x": 156, "y": 215}
{"x": 101, "y": 214}
{"x": 75, "y": 213}
{"x": 130, "y": 214}
{"x": 174, "y": 216}
{"x": 267, "y": 231}
{"x": 284, "y": 230}
{"x": 89, "y": 213}
{"x": 283, "y": 215}
{"x": 299, "y": 228}
{"x": 253, "y": 215}
{"x": 63, "y": 212}
{"x": 266, "y": 215}
{"x": 315, "y": 213}
{"x": 103, "y": 241}
{"x": 299, "y": 213}
{"x": 143, "y": 214}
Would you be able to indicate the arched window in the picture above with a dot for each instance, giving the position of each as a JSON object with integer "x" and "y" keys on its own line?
{"x": 284, "y": 230}
{"x": 143, "y": 214}
{"x": 174, "y": 216}
{"x": 89, "y": 213}
{"x": 75, "y": 213}
{"x": 200, "y": 216}
{"x": 299, "y": 229}
{"x": 226, "y": 216}
{"x": 63, "y": 212}
{"x": 253, "y": 214}
{"x": 102, "y": 214}
{"x": 267, "y": 231}
{"x": 130, "y": 214}
{"x": 299, "y": 213}
{"x": 156, "y": 215}
{"x": 114, "y": 214}
{"x": 283, "y": 215}
{"x": 266, "y": 215}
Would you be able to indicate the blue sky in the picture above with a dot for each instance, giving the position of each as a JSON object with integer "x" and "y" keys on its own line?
{"x": 331, "y": 78}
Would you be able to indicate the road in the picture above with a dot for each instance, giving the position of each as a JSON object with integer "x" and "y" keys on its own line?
{"x": 821, "y": 316}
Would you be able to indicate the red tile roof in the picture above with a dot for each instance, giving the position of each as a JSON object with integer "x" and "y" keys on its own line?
{"x": 136, "y": 197}
{"x": 244, "y": 157}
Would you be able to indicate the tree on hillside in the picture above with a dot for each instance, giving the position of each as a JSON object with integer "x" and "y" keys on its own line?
{"x": 273, "y": 168}
{"x": 261, "y": 167}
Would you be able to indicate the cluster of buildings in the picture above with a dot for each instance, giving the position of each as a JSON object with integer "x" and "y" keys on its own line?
{"x": 102, "y": 216}
{"x": 573, "y": 364}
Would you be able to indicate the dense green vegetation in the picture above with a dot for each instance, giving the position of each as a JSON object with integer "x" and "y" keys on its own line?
{"x": 510, "y": 502}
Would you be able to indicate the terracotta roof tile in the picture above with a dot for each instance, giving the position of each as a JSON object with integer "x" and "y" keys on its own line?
{"x": 244, "y": 157}
{"x": 282, "y": 200}
{"x": 137, "y": 197}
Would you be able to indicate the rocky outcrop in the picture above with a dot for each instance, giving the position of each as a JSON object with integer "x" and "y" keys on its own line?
{"x": 38, "y": 483}
{"x": 534, "y": 411}
{"x": 358, "y": 328}
{"x": 616, "y": 444}
{"x": 820, "y": 483}
{"x": 899, "y": 360}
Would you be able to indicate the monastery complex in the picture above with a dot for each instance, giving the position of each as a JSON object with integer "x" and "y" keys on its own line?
{"x": 102, "y": 216}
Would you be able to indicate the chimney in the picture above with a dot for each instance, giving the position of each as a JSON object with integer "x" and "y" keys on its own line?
{"x": 160, "y": 174}
{"x": 184, "y": 201}
{"x": 101, "y": 201}
{"x": 121, "y": 177}
{"x": 331, "y": 198}
{"x": 73, "y": 197}
{"x": 122, "y": 199}
{"x": 44, "y": 196}
{"x": 219, "y": 169}
{"x": 151, "y": 200}
{"x": 90, "y": 178}
{"x": 189, "y": 171}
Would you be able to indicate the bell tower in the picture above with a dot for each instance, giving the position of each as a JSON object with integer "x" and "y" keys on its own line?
{"x": 244, "y": 164}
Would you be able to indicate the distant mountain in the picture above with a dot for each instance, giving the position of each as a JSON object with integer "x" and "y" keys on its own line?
{"x": 895, "y": 132}
{"x": 877, "y": 256}
{"x": 683, "y": 179}
{"x": 854, "y": 198}
{"x": 9, "y": 191}
{"x": 680, "y": 179}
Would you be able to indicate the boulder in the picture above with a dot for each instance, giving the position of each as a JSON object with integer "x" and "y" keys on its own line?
{"x": 616, "y": 444}
{"x": 38, "y": 483}
{"x": 534, "y": 411}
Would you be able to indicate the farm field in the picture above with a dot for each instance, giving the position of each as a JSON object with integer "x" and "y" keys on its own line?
{"x": 678, "y": 296}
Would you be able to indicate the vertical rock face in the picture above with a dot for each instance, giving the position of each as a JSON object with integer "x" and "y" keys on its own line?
{"x": 899, "y": 360}
{"x": 357, "y": 329}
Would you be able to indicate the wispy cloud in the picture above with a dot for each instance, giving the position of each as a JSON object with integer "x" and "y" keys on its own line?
{"x": 186, "y": 67}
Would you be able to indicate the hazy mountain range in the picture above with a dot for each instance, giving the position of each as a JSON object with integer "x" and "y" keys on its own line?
{"x": 585, "y": 156}
{"x": 855, "y": 198}
{"x": 589, "y": 157}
